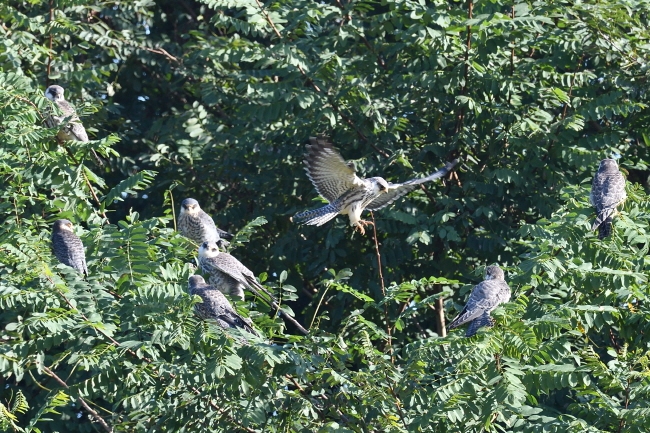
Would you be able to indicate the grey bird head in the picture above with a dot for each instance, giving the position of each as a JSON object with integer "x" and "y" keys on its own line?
{"x": 189, "y": 205}
{"x": 379, "y": 185}
{"x": 494, "y": 272}
{"x": 54, "y": 93}
{"x": 196, "y": 281}
{"x": 207, "y": 250}
{"x": 62, "y": 225}
{"x": 608, "y": 164}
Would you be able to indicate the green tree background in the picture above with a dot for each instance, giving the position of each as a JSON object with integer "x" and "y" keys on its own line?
{"x": 215, "y": 100}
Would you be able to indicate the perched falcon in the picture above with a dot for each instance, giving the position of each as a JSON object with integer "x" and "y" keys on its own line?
{"x": 228, "y": 275}
{"x": 197, "y": 225}
{"x": 74, "y": 130}
{"x": 67, "y": 246}
{"x": 485, "y": 297}
{"x": 336, "y": 181}
{"x": 215, "y": 306}
{"x": 607, "y": 192}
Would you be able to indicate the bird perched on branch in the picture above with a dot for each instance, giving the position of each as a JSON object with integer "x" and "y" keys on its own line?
{"x": 67, "y": 246}
{"x": 215, "y": 306}
{"x": 74, "y": 129}
{"x": 197, "y": 225}
{"x": 228, "y": 274}
{"x": 607, "y": 192}
{"x": 347, "y": 194}
{"x": 231, "y": 277}
{"x": 485, "y": 297}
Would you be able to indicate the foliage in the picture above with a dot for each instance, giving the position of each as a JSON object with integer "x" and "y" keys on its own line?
{"x": 215, "y": 99}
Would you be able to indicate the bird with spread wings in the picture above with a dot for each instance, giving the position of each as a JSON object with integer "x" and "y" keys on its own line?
{"x": 336, "y": 181}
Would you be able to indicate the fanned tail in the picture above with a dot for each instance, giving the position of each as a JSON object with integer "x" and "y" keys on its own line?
{"x": 316, "y": 217}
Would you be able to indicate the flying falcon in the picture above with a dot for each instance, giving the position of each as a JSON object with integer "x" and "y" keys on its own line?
{"x": 67, "y": 246}
{"x": 485, "y": 297}
{"x": 347, "y": 194}
{"x": 74, "y": 130}
{"x": 231, "y": 277}
{"x": 197, "y": 225}
{"x": 607, "y": 192}
{"x": 216, "y": 307}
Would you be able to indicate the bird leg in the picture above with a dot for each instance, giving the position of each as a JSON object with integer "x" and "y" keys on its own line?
{"x": 360, "y": 226}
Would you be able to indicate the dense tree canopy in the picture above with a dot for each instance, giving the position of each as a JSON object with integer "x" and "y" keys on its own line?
{"x": 216, "y": 100}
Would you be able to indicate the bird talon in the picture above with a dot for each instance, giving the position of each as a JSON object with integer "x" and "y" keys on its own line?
{"x": 360, "y": 226}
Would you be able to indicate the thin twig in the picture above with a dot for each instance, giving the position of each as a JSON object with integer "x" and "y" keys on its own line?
{"x": 397, "y": 401}
{"x": 90, "y": 187}
{"x": 83, "y": 403}
{"x": 381, "y": 276}
{"x": 383, "y": 289}
{"x": 49, "y": 54}
{"x": 268, "y": 19}
{"x": 468, "y": 46}
{"x": 286, "y": 316}
{"x": 512, "y": 50}
{"x": 171, "y": 198}
{"x": 320, "y": 301}
{"x": 159, "y": 51}
{"x": 30, "y": 103}
{"x": 441, "y": 327}
{"x": 296, "y": 384}
{"x": 512, "y": 58}
{"x": 399, "y": 313}
{"x": 573, "y": 80}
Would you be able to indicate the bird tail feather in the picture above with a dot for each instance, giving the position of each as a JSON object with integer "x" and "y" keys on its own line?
{"x": 465, "y": 316}
{"x": 256, "y": 288}
{"x": 604, "y": 215}
{"x": 224, "y": 234}
{"x": 605, "y": 229}
{"x": 316, "y": 217}
{"x": 478, "y": 323}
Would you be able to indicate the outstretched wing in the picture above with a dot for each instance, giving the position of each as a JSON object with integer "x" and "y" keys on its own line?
{"x": 397, "y": 190}
{"x": 327, "y": 169}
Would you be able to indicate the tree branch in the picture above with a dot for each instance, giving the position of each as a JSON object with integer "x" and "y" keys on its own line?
{"x": 83, "y": 403}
